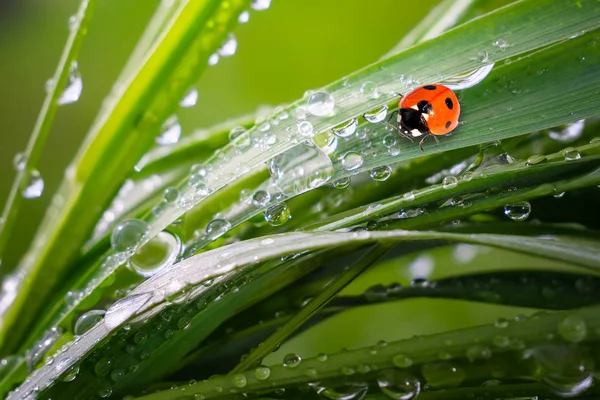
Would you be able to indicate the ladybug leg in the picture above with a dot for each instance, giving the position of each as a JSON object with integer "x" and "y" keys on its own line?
{"x": 400, "y": 131}
{"x": 423, "y": 141}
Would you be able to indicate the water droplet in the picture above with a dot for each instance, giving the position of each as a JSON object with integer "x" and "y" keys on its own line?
{"x": 320, "y": 104}
{"x": 369, "y": 89}
{"x": 213, "y": 59}
{"x": 41, "y": 347}
{"x": 19, "y": 161}
{"x": 171, "y": 195}
{"x": 217, "y": 227}
{"x": 244, "y": 17}
{"x": 376, "y": 115}
{"x": 536, "y": 159}
{"x": 346, "y": 129}
{"x": 443, "y": 375}
{"x": 260, "y": 5}
{"x": 35, "y": 185}
{"x": 569, "y": 133}
{"x": 291, "y": 360}
{"x": 262, "y": 373}
{"x": 74, "y": 87}
{"x": 501, "y": 44}
{"x": 449, "y": 182}
{"x": 478, "y": 352}
{"x": 322, "y": 357}
{"x": 572, "y": 328}
{"x": 73, "y": 22}
{"x": 105, "y": 392}
{"x": 402, "y": 361}
{"x": 381, "y": 173}
{"x": 239, "y": 380}
{"x": 518, "y": 211}
{"x": 398, "y": 385}
{"x": 239, "y": 137}
{"x": 129, "y": 234}
{"x": 229, "y": 47}
{"x": 305, "y": 128}
{"x": 158, "y": 253}
{"x": 170, "y": 132}
{"x": 571, "y": 154}
{"x": 190, "y": 99}
{"x": 277, "y": 214}
{"x": 87, "y": 321}
{"x": 482, "y": 56}
{"x": 501, "y": 323}
{"x": 342, "y": 183}
{"x": 352, "y": 160}
{"x": 71, "y": 373}
{"x": 123, "y": 309}
{"x": 260, "y": 198}
{"x": 354, "y": 391}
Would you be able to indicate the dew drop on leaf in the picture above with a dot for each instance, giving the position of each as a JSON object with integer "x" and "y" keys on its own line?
{"x": 305, "y": 128}
{"x": 449, "y": 182}
{"x": 87, "y": 320}
{"x": 398, "y": 385}
{"x": 123, "y": 309}
{"x": 352, "y": 160}
{"x": 443, "y": 375}
{"x": 342, "y": 183}
{"x": 518, "y": 211}
{"x": 213, "y": 59}
{"x": 158, "y": 253}
{"x": 376, "y": 115}
{"x": 19, "y": 161}
{"x": 217, "y": 227}
{"x": 571, "y": 154}
{"x": 74, "y": 86}
{"x": 129, "y": 234}
{"x": 34, "y": 185}
{"x": 170, "y": 132}
{"x": 190, "y": 99}
{"x": 291, "y": 360}
{"x": 381, "y": 173}
{"x": 278, "y": 214}
{"x": 229, "y": 47}
{"x": 244, "y": 17}
{"x": 572, "y": 328}
{"x": 260, "y": 5}
{"x": 262, "y": 373}
{"x": 320, "y": 104}
{"x": 346, "y": 129}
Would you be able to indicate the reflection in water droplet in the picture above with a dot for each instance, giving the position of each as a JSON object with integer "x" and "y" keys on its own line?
{"x": 261, "y": 198}
{"x": 398, "y": 385}
{"x": 217, "y": 227}
{"x": 129, "y": 234}
{"x": 518, "y": 211}
{"x": 158, "y": 253}
{"x": 190, "y": 99}
{"x": 571, "y": 154}
{"x": 381, "y": 173}
{"x": 352, "y": 160}
{"x": 74, "y": 87}
{"x": 449, "y": 182}
{"x": 346, "y": 129}
{"x": 34, "y": 186}
{"x": 121, "y": 310}
{"x": 262, "y": 373}
{"x": 87, "y": 321}
{"x": 291, "y": 360}
{"x": 170, "y": 132}
{"x": 376, "y": 115}
{"x": 342, "y": 183}
{"x": 278, "y": 214}
{"x": 229, "y": 47}
{"x": 443, "y": 375}
{"x": 320, "y": 104}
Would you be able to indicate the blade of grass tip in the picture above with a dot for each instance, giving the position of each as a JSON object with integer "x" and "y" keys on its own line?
{"x": 44, "y": 121}
{"x": 373, "y": 255}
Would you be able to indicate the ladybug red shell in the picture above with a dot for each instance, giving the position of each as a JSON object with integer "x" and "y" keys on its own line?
{"x": 427, "y": 110}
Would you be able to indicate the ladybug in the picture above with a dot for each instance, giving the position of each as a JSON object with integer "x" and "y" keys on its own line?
{"x": 430, "y": 110}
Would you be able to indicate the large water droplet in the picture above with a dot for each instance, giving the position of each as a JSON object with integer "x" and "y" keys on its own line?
{"x": 572, "y": 328}
{"x": 321, "y": 104}
{"x": 190, "y": 99}
{"x": 129, "y": 234}
{"x": 518, "y": 211}
{"x": 570, "y": 133}
{"x": 352, "y": 160}
{"x": 158, "y": 253}
{"x": 260, "y": 5}
{"x": 121, "y": 310}
{"x": 19, "y": 161}
{"x": 278, "y": 214}
{"x": 376, "y": 115}
{"x": 381, "y": 173}
{"x": 229, "y": 47}
{"x": 34, "y": 185}
{"x": 74, "y": 87}
{"x": 398, "y": 385}
{"x": 571, "y": 154}
{"x": 170, "y": 132}
{"x": 87, "y": 320}
{"x": 346, "y": 129}
{"x": 262, "y": 373}
{"x": 217, "y": 227}
{"x": 291, "y": 360}
{"x": 443, "y": 375}
{"x": 40, "y": 348}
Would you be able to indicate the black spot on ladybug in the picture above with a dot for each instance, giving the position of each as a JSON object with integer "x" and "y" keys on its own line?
{"x": 449, "y": 103}
{"x": 429, "y": 87}
{"x": 448, "y": 124}
{"x": 424, "y": 106}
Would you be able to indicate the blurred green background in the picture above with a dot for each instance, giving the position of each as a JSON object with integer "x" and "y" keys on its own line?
{"x": 294, "y": 46}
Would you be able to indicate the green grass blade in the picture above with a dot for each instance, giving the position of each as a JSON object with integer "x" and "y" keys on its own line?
{"x": 44, "y": 121}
